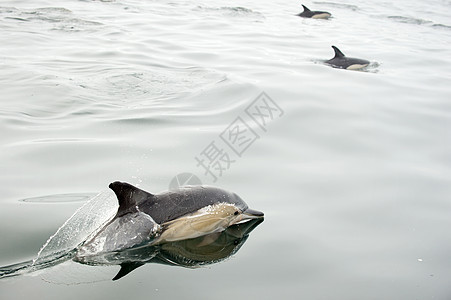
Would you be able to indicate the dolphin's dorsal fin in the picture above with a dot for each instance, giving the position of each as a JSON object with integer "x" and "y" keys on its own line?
{"x": 338, "y": 53}
{"x": 127, "y": 268}
{"x": 129, "y": 196}
{"x": 305, "y": 8}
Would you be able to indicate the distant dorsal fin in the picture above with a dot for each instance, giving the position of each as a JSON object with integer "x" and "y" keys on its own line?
{"x": 305, "y": 8}
{"x": 129, "y": 196}
{"x": 338, "y": 53}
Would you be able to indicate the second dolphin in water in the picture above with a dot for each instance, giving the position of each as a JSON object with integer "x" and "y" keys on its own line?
{"x": 144, "y": 218}
{"x": 343, "y": 62}
{"x": 307, "y": 13}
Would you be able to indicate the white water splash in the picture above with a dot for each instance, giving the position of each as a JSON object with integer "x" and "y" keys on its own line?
{"x": 84, "y": 222}
{"x": 122, "y": 233}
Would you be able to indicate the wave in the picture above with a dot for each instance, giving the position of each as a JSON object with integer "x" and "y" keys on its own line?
{"x": 409, "y": 20}
{"x": 417, "y": 21}
{"x": 231, "y": 11}
{"x": 57, "y": 18}
{"x": 339, "y": 5}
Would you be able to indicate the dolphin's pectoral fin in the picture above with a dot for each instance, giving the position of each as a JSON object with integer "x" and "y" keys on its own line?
{"x": 129, "y": 197}
{"x": 127, "y": 268}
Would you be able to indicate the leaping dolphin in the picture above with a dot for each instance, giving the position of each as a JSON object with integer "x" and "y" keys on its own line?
{"x": 187, "y": 212}
{"x": 307, "y": 13}
{"x": 343, "y": 62}
{"x": 189, "y": 227}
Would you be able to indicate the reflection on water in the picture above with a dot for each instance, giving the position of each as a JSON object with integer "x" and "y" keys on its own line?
{"x": 191, "y": 253}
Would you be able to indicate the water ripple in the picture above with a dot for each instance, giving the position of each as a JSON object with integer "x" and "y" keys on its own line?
{"x": 57, "y": 18}
{"x": 60, "y": 198}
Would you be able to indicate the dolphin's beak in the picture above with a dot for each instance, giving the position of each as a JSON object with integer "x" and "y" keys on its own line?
{"x": 253, "y": 214}
{"x": 248, "y": 214}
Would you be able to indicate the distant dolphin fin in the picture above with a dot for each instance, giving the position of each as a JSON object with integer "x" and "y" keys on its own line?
{"x": 305, "y": 8}
{"x": 129, "y": 197}
{"x": 127, "y": 268}
{"x": 338, "y": 53}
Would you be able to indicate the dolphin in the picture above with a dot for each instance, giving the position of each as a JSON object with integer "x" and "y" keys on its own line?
{"x": 343, "y": 62}
{"x": 147, "y": 219}
{"x": 307, "y": 13}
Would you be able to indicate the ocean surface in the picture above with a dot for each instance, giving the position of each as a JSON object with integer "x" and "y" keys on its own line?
{"x": 351, "y": 168}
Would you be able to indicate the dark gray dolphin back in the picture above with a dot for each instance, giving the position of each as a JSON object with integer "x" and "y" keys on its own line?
{"x": 306, "y": 13}
{"x": 176, "y": 203}
{"x": 342, "y": 61}
{"x": 129, "y": 197}
{"x": 173, "y": 204}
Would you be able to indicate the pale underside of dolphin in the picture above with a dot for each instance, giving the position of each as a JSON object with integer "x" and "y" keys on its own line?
{"x": 144, "y": 218}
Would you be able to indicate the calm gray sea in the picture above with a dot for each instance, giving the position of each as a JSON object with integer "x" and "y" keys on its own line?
{"x": 352, "y": 168}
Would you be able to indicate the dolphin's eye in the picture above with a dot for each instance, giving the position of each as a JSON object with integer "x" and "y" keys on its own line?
{"x": 236, "y": 213}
